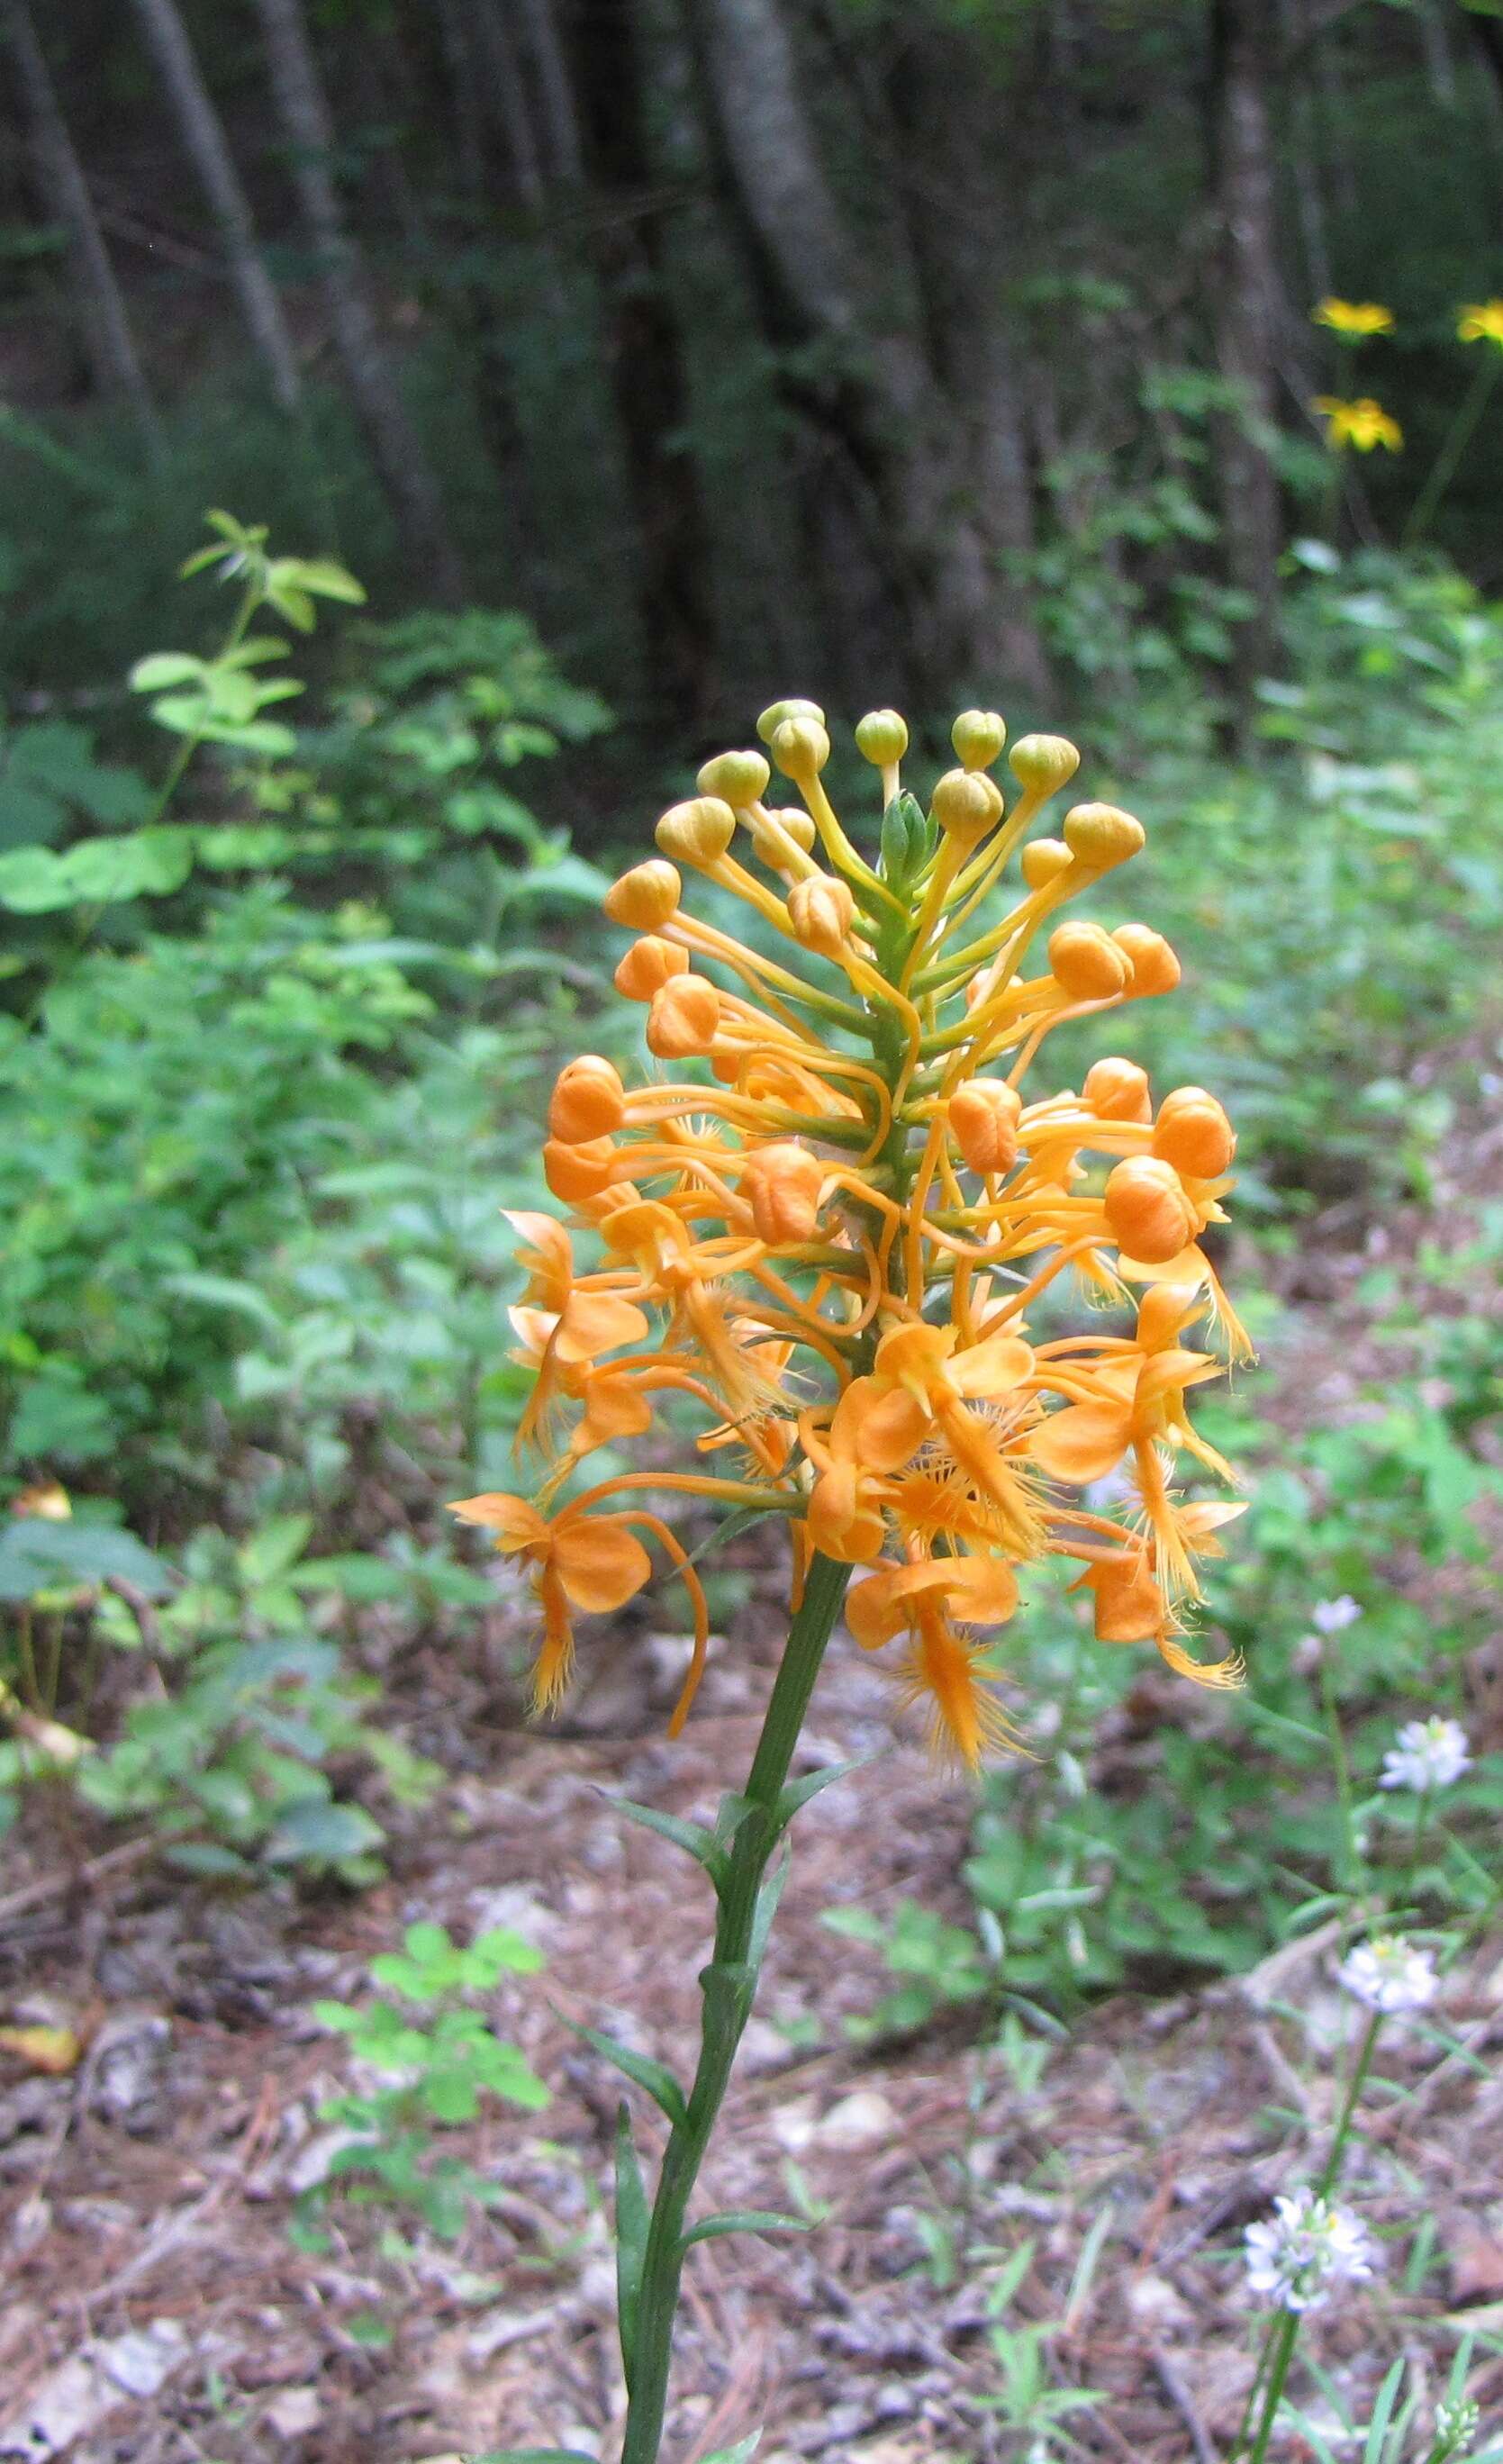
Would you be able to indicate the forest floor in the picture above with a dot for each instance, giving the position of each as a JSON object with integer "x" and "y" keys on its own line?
{"x": 156, "y": 2309}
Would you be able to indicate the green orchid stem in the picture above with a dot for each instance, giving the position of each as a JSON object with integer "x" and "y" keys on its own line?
{"x": 725, "y": 2014}
{"x": 1457, "y": 439}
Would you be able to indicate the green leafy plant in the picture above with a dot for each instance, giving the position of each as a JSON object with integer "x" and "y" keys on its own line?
{"x": 436, "y": 2060}
{"x": 228, "y": 1759}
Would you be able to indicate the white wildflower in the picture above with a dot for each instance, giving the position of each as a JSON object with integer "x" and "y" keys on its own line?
{"x": 1457, "y": 2421}
{"x": 1305, "y": 2248}
{"x": 1333, "y": 1617}
{"x": 1390, "y": 1974}
{"x": 1427, "y": 1755}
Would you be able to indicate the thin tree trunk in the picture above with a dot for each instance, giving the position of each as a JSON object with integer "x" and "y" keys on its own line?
{"x": 899, "y": 510}
{"x": 399, "y": 457}
{"x": 204, "y": 138}
{"x": 507, "y": 99}
{"x": 1247, "y": 316}
{"x": 648, "y": 380}
{"x": 108, "y": 340}
{"x": 464, "y": 96}
{"x": 555, "y": 92}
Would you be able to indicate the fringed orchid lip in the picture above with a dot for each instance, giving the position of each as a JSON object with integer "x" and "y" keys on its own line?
{"x": 826, "y": 1214}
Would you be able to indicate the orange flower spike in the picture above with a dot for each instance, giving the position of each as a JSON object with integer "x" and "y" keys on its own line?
{"x": 823, "y": 1220}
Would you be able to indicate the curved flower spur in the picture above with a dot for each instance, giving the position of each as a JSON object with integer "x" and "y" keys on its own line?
{"x": 835, "y": 1223}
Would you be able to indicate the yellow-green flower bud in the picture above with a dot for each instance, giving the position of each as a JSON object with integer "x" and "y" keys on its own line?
{"x": 978, "y": 737}
{"x": 1041, "y": 764}
{"x": 777, "y": 712}
{"x": 1044, "y": 860}
{"x": 740, "y": 778}
{"x": 698, "y": 832}
{"x": 966, "y": 805}
{"x": 882, "y": 737}
{"x": 801, "y": 749}
{"x": 1101, "y": 836}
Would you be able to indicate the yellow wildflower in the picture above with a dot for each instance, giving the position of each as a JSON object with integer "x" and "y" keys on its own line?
{"x": 1352, "y": 318}
{"x": 824, "y": 1222}
{"x": 1482, "y": 322}
{"x": 1363, "y": 422}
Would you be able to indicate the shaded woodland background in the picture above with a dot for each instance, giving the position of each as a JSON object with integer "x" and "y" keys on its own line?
{"x": 900, "y": 347}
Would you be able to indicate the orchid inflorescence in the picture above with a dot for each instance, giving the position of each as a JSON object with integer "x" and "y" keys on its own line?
{"x": 832, "y": 1220}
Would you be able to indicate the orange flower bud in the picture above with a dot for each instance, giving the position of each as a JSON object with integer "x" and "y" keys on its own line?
{"x": 1117, "y": 1091}
{"x": 646, "y": 896}
{"x": 1193, "y": 1134}
{"x": 1101, "y": 835}
{"x": 1044, "y": 860}
{"x": 821, "y": 911}
{"x": 966, "y": 805}
{"x": 648, "y": 966}
{"x": 782, "y": 1184}
{"x": 983, "y": 1121}
{"x": 573, "y": 1170}
{"x": 684, "y": 1017}
{"x": 1043, "y": 763}
{"x": 1155, "y": 967}
{"x": 737, "y": 779}
{"x": 698, "y": 832}
{"x": 978, "y": 737}
{"x": 1085, "y": 962}
{"x": 1150, "y": 1217}
{"x": 882, "y": 737}
{"x": 770, "y": 837}
{"x": 588, "y": 1100}
{"x": 800, "y": 747}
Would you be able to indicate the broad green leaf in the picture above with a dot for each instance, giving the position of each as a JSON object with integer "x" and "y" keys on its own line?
{"x": 140, "y": 863}
{"x": 743, "y": 2220}
{"x": 632, "y": 2220}
{"x": 36, "y": 1554}
{"x": 654, "y": 2077}
{"x": 316, "y": 1828}
{"x": 33, "y": 882}
{"x": 163, "y": 669}
{"x": 226, "y": 1292}
{"x": 741, "y": 2453}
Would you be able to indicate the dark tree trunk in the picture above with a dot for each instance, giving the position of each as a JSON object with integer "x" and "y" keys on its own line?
{"x": 1246, "y": 315}
{"x": 108, "y": 341}
{"x": 901, "y": 514}
{"x": 204, "y": 138}
{"x": 648, "y": 380}
{"x": 410, "y": 487}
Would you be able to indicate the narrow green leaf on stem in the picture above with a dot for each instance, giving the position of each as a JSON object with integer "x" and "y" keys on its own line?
{"x": 798, "y": 1793}
{"x": 744, "y": 2220}
{"x": 692, "y": 1837}
{"x": 741, "y": 2453}
{"x": 640, "y": 2068}
{"x": 768, "y": 1898}
{"x": 632, "y": 2219}
{"x": 531, "y": 2455}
